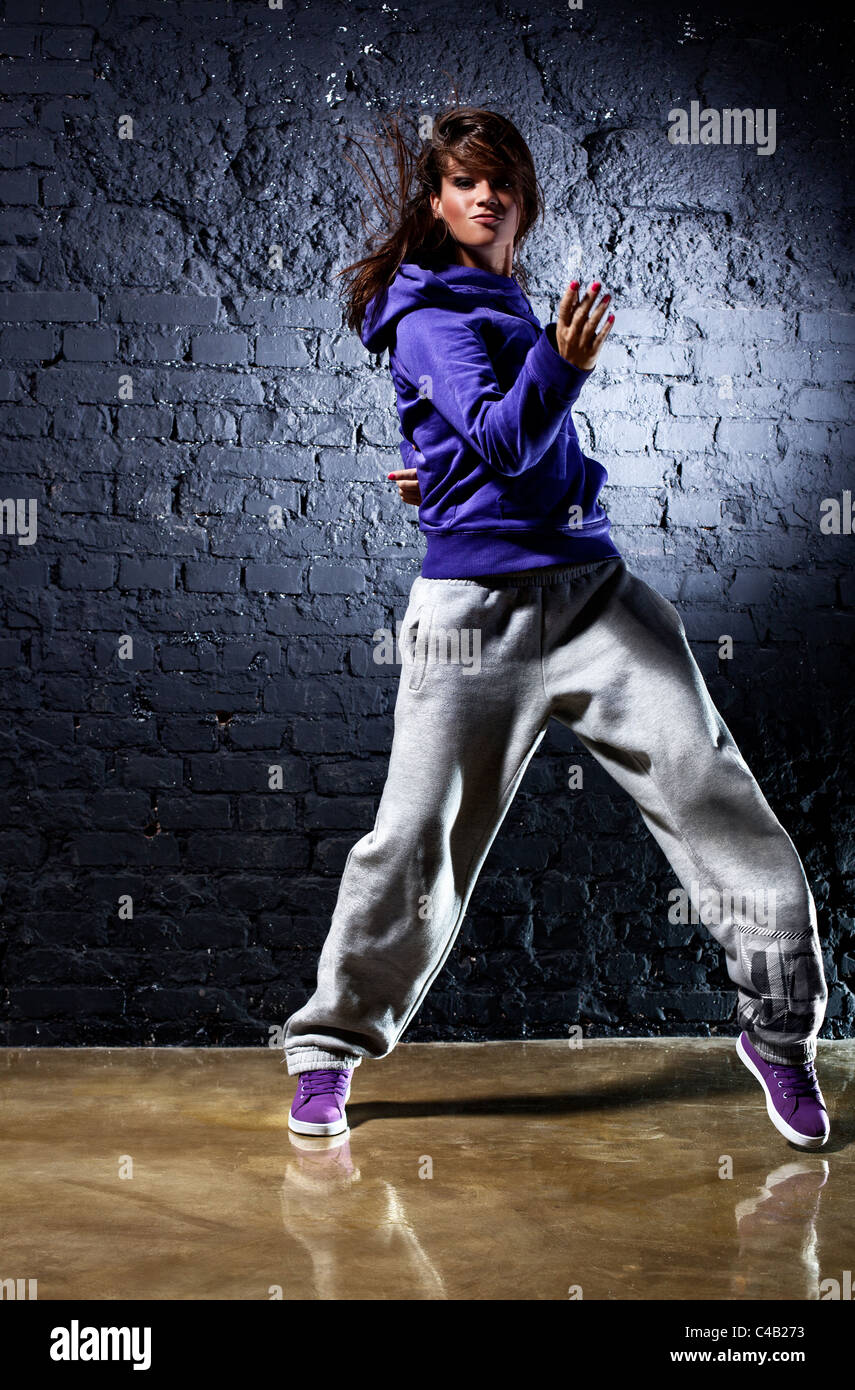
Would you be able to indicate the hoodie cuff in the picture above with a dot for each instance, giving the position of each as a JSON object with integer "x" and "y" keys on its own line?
{"x": 554, "y": 371}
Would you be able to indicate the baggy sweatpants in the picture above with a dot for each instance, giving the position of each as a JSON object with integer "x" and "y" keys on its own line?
{"x": 597, "y": 648}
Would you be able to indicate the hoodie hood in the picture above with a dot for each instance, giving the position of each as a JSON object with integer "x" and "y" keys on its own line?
{"x": 426, "y": 284}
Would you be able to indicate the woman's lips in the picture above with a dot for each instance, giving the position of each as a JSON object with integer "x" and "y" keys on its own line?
{"x": 486, "y": 217}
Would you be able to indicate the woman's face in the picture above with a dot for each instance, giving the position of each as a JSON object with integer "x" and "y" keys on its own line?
{"x": 464, "y": 204}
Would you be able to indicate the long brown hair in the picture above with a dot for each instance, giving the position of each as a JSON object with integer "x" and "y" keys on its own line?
{"x": 479, "y": 139}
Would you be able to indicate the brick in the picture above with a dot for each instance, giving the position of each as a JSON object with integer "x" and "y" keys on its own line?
{"x": 810, "y": 404}
{"x": 684, "y": 435}
{"x": 166, "y": 309}
{"x": 186, "y": 656}
{"x": 721, "y": 359}
{"x": 28, "y": 344}
{"x": 740, "y": 324}
{"x": 746, "y": 437}
{"x": 785, "y": 364}
{"x": 96, "y": 573}
{"x": 144, "y": 421}
{"x": 73, "y": 1003}
{"x": 284, "y": 311}
{"x": 704, "y": 626}
{"x": 267, "y": 813}
{"x": 18, "y": 42}
{"x": 616, "y": 432}
{"x": 283, "y": 350}
{"x": 19, "y": 188}
{"x": 208, "y": 577}
{"x": 255, "y": 655}
{"x": 48, "y": 306}
{"x": 90, "y": 344}
{"x": 220, "y": 348}
{"x": 43, "y": 79}
{"x": 74, "y": 44}
{"x": 192, "y": 812}
{"x": 751, "y": 586}
{"x": 821, "y": 327}
{"x": 632, "y": 506}
{"x": 805, "y": 437}
{"x": 833, "y": 364}
{"x": 635, "y": 470}
{"x": 146, "y": 574}
{"x": 693, "y": 509}
{"x": 271, "y": 853}
{"x": 275, "y": 579}
{"x": 234, "y": 773}
{"x": 725, "y": 400}
{"x": 207, "y": 386}
{"x": 640, "y": 323}
{"x": 140, "y": 770}
{"x": 327, "y": 578}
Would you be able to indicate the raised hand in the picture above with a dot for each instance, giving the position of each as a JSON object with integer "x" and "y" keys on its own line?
{"x": 576, "y": 326}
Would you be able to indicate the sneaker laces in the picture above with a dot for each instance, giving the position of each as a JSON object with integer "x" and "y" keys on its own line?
{"x": 316, "y": 1083}
{"x": 800, "y": 1080}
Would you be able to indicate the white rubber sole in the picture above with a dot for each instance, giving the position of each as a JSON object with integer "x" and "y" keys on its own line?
{"x": 334, "y": 1126}
{"x": 803, "y": 1141}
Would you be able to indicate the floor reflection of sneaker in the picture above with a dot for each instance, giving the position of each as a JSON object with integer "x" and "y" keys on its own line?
{"x": 319, "y": 1104}
{"x": 320, "y": 1163}
{"x": 777, "y": 1231}
{"x": 790, "y": 1194}
{"x": 793, "y": 1099}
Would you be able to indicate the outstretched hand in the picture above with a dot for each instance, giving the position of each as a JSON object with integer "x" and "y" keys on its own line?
{"x": 576, "y": 328}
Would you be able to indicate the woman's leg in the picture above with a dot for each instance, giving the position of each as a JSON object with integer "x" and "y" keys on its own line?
{"x": 464, "y": 732}
{"x": 628, "y": 686}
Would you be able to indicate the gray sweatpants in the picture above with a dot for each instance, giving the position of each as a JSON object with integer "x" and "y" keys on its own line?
{"x": 485, "y": 664}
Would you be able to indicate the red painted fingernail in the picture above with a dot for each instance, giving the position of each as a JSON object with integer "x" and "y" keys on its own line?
{"x": 390, "y": 475}
{"x": 596, "y": 285}
{"x": 574, "y": 284}
{"x": 611, "y": 318}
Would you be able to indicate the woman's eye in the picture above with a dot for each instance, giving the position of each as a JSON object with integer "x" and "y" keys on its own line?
{"x": 459, "y": 182}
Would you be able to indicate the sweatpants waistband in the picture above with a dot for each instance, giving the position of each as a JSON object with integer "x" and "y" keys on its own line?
{"x": 523, "y": 579}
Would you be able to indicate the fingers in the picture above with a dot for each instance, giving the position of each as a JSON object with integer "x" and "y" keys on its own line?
{"x": 407, "y": 482}
{"x": 604, "y": 332}
{"x": 586, "y": 303}
{"x": 412, "y": 499}
{"x": 594, "y": 318}
{"x": 569, "y": 303}
{"x": 587, "y": 320}
{"x": 575, "y": 310}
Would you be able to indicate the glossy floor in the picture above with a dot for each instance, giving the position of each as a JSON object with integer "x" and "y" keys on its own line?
{"x": 619, "y": 1169}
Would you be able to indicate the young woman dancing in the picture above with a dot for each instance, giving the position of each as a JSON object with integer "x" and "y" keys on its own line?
{"x": 520, "y": 565}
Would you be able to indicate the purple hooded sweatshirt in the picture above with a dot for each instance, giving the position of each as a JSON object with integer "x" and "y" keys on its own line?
{"x": 484, "y": 401}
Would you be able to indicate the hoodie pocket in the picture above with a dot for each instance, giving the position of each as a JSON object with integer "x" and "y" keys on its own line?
{"x": 533, "y": 501}
{"x": 518, "y": 509}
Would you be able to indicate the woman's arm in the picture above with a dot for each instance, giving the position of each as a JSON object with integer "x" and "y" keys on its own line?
{"x": 448, "y": 363}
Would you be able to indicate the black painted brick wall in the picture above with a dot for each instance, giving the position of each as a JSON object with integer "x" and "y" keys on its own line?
{"x": 721, "y": 408}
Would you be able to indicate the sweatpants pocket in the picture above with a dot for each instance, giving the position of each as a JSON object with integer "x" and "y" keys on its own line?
{"x": 419, "y": 638}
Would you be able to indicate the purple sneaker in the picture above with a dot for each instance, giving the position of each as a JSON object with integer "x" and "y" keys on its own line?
{"x": 793, "y": 1098}
{"x": 318, "y": 1106}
